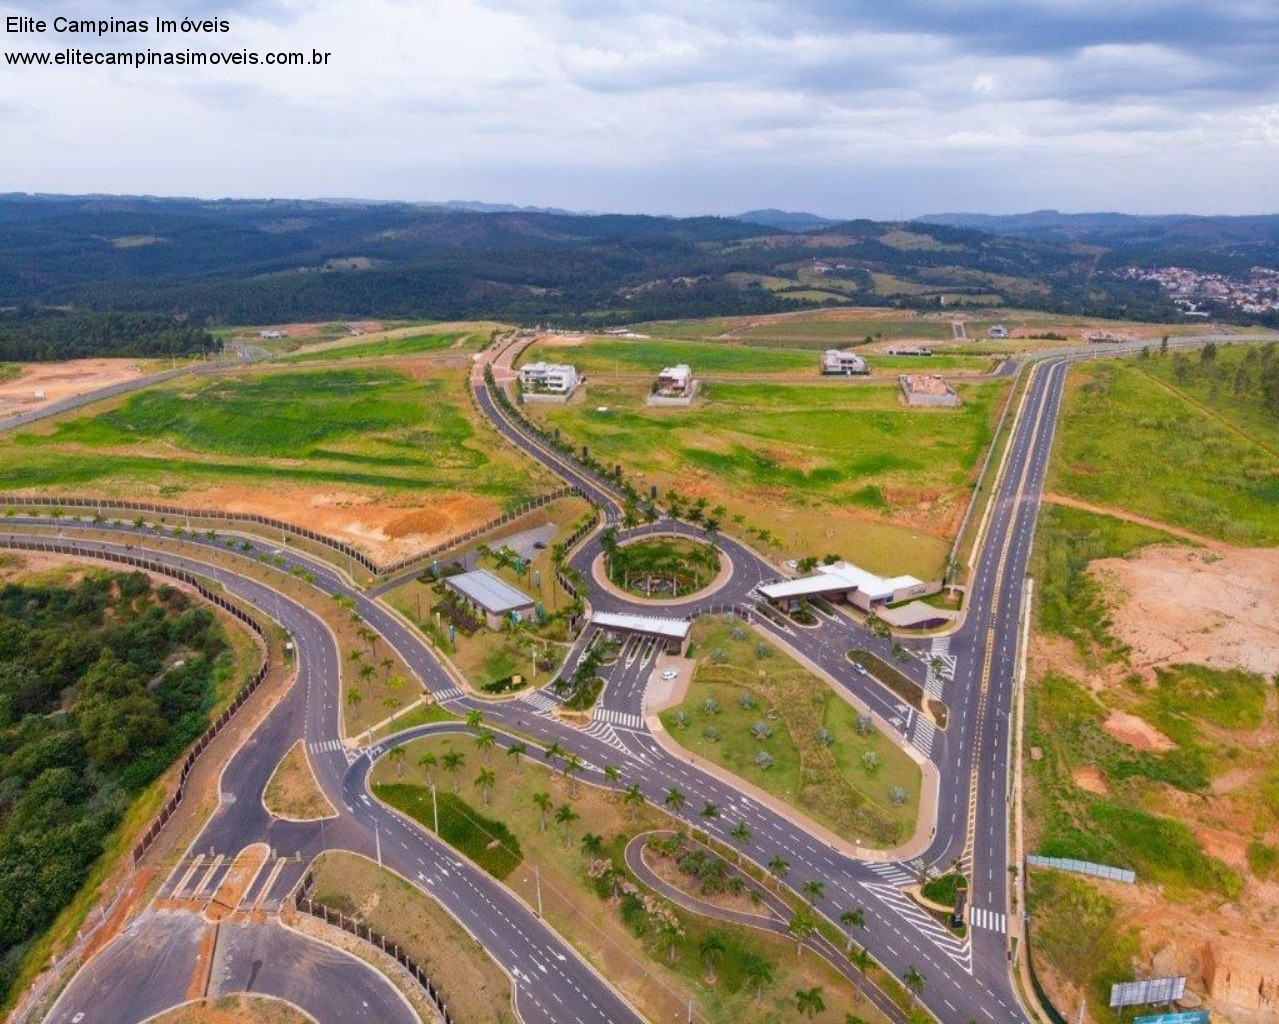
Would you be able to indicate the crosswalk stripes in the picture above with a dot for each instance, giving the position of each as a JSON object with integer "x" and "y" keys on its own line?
{"x": 924, "y": 734}
{"x": 990, "y": 920}
{"x": 324, "y": 746}
{"x": 892, "y": 873}
{"x": 452, "y": 693}
{"x": 540, "y": 702}
{"x": 623, "y": 718}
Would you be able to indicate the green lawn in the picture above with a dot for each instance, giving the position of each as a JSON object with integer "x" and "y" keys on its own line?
{"x": 486, "y": 841}
{"x": 600, "y": 357}
{"x": 417, "y": 345}
{"x": 773, "y": 452}
{"x": 831, "y": 782}
{"x": 1128, "y": 442}
{"x": 366, "y": 429}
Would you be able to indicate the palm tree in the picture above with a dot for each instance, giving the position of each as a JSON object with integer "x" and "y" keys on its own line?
{"x": 592, "y": 845}
{"x": 612, "y": 774}
{"x": 862, "y": 960}
{"x": 914, "y": 981}
{"x": 388, "y": 664}
{"x": 353, "y": 697}
{"x": 741, "y": 834}
{"x": 802, "y": 925}
{"x": 484, "y": 742}
{"x": 427, "y": 763}
{"x": 515, "y": 750}
{"x": 542, "y": 801}
{"x": 572, "y": 765}
{"x": 397, "y": 757}
{"x": 632, "y": 797}
{"x": 552, "y": 752}
{"x": 565, "y": 815}
{"x": 453, "y": 761}
{"x": 778, "y": 867}
{"x": 710, "y": 810}
{"x": 711, "y": 949}
{"x": 486, "y": 780}
{"x": 814, "y": 890}
{"x": 366, "y": 672}
{"x": 850, "y": 919}
{"x": 356, "y": 656}
{"x": 671, "y": 933}
{"x": 809, "y": 1001}
{"x": 758, "y": 972}
{"x": 474, "y": 718}
{"x": 674, "y": 798}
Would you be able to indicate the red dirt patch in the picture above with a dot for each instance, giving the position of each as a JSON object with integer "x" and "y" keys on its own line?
{"x": 1091, "y": 779}
{"x": 1136, "y": 732}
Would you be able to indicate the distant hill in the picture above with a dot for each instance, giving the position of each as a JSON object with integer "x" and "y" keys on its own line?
{"x": 785, "y": 220}
{"x": 1208, "y": 243}
{"x": 268, "y": 261}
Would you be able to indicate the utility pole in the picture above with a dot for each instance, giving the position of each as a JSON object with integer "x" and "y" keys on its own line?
{"x": 537, "y": 876}
{"x": 435, "y": 806}
{"x": 377, "y": 838}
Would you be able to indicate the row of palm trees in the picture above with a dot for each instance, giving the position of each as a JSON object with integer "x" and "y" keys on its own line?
{"x": 803, "y": 923}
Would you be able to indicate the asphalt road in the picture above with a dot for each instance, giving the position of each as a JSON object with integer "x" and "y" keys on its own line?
{"x": 965, "y": 979}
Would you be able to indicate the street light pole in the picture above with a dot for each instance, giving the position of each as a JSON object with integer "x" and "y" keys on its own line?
{"x": 436, "y": 808}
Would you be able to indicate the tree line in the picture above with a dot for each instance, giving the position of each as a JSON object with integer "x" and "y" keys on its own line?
{"x": 103, "y": 683}
{"x": 28, "y": 335}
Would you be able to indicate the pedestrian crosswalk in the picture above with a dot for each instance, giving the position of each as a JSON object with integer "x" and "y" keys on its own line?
{"x": 541, "y": 702}
{"x": 989, "y": 920}
{"x": 325, "y": 746}
{"x": 452, "y": 693}
{"x": 605, "y": 732}
{"x": 924, "y": 734}
{"x": 894, "y": 874}
{"x": 941, "y": 667}
{"x": 623, "y": 718}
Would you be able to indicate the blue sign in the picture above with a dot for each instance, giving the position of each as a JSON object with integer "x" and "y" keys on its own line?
{"x": 1188, "y": 1017}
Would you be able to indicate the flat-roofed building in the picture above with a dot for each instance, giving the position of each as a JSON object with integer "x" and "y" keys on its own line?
{"x": 837, "y": 363}
{"x": 548, "y": 378}
{"x": 672, "y": 634}
{"x": 490, "y": 596}
{"x": 844, "y": 581}
{"x": 998, "y": 331}
{"x": 927, "y": 389}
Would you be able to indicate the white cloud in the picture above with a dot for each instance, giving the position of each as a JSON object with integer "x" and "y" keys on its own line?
{"x": 847, "y": 108}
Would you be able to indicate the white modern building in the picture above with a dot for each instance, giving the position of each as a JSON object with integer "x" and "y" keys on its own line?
{"x": 844, "y": 364}
{"x": 549, "y": 378}
{"x": 998, "y": 331}
{"x": 672, "y": 634}
{"x": 845, "y": 581}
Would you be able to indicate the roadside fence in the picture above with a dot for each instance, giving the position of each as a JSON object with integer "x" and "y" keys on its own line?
{"x": 306, "y": 905}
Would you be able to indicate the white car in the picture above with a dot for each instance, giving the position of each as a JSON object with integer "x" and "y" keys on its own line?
{"x": 669, "y": 674}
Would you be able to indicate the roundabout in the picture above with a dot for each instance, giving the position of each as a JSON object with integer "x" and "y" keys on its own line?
{"x": 660, "y": 569}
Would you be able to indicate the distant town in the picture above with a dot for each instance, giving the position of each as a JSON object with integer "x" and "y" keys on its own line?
{"x": 1201, "y": 294}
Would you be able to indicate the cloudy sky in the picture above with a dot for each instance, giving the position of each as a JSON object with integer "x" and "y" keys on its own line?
{"x": 880, "y": 108}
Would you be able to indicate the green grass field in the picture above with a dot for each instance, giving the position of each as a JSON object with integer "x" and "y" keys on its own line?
{"x": 485, "y": 840}
{"x": 601, "y": 357}
{"x": 417, "y": 345}
{"x": 1198, "y": 459}
{"x": 367, "y": 430}
{"x": 843, "y": 469}
{"x": 751, "y": 683}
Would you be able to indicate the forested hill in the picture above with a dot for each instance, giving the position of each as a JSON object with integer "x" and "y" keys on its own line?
{"x": 103, "y": 683}
{"x": 271, "y": 261}
{"x": 50, "y": 335}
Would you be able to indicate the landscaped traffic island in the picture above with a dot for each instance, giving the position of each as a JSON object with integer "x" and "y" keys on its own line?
{"x": 756, "y": 712}
{"x": 661, "y": 567}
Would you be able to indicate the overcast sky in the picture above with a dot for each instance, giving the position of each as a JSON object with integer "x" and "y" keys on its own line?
{"x": 879, "y": 108}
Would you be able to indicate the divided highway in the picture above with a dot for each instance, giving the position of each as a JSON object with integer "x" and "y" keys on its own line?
{"x": 970, "y": 759}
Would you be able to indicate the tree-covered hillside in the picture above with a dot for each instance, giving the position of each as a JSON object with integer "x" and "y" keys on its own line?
{"x": 272, "y": 261}
{"x": 102, "y": 684}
